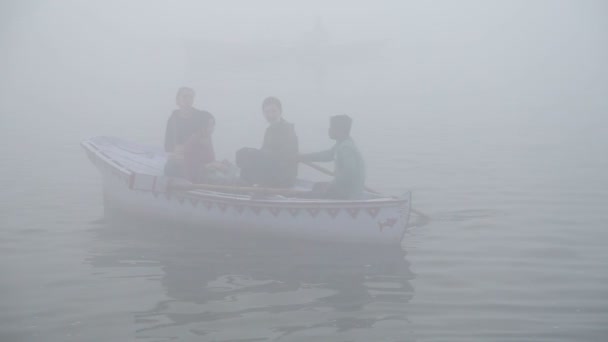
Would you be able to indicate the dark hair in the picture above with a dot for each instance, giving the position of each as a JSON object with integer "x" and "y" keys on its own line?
{"x": 271, "y": 100}
{"x": 342, "y": 122}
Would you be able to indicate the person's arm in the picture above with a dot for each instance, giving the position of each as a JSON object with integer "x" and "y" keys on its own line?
{"x": 288, "y": 143}
{"x": 170, "y": 135}
{"x": 323, "y": 156}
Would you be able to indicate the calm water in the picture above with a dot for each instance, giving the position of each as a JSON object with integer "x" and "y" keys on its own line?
{"x": 503, "y": 147}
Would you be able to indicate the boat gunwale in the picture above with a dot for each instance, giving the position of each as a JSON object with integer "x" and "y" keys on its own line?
{"x": 90, "y": 146}
{"x": 397, "y": 201}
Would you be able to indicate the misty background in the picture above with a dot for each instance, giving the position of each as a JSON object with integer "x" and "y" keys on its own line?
{"x": 494, "y": 113}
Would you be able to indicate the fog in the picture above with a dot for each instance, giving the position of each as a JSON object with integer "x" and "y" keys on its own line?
{"x": 422, "y": 58}
{"x": 493, "y": 113}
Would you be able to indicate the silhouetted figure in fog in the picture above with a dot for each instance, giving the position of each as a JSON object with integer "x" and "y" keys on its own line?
{"x": 186, "y": 127}
{"x": 349, "y": 169}
{"x": 275, "y": 164}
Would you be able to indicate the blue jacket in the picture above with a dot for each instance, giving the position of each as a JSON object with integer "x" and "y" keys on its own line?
{"x": 349, "y": 170}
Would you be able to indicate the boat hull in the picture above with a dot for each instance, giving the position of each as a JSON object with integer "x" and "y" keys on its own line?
{"x": 373, "y": 221}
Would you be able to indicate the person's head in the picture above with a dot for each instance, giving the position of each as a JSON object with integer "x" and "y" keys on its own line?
{"x": 272, "y": 109}
{"x": 339, "y": 127}
{"x": 184, "y": 98}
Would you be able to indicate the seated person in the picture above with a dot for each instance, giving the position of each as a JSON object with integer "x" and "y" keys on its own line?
{"x": 349, "y": 168}
{"x": 183, "y": 124}
{"x": 275, "y": 164}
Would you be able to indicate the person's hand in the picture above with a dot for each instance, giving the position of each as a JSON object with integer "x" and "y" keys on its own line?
{"x": 215, "y": 165}
{"x": 227, "y": 163}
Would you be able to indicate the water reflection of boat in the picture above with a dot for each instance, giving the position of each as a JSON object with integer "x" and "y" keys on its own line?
{"x": 133, "y": 183}
{"x": 222, "y": 287}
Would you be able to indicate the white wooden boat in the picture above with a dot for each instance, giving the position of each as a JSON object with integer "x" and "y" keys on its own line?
{"x": 133, "y": 184}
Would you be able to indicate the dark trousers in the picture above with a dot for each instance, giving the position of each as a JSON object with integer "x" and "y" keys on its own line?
{"x": 262, "y": 168}
{"x": 256, "y": 166}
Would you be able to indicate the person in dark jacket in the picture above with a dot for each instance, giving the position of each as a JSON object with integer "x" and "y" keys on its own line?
{"x": 184, "y": 124}
{"x": 275, "y": 164}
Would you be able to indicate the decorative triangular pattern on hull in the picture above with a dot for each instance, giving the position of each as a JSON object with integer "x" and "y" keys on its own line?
{"x": 373, "y": 212}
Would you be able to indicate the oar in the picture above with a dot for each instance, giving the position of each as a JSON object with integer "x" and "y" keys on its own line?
{"x": 330, "y": 173}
